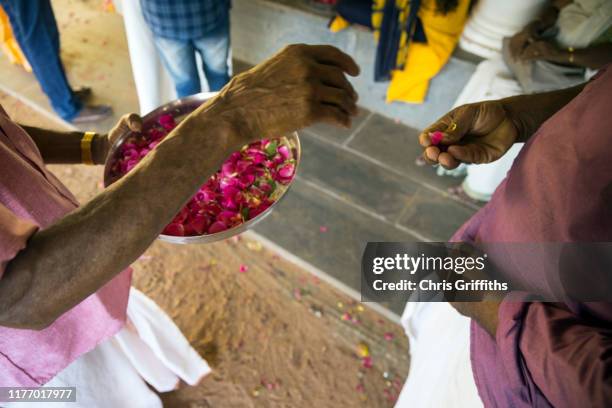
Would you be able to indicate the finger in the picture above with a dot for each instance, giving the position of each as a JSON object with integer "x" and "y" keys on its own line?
{"x": 439, "y": 126}
{"x": 454, "y": 125}
{"x": 333, "y": 115}
{"x": 134, "y": 122}
{"x": 329, "y": 55}
{"x": 517, "y": 44}
{"x": 338, "y": 97}
{"x": 331, "y": 76}
{"x": 471, "y": 153}
{"x": 431, "y": 154}
{"x": 533, "y": 51}
{"x": 427, "y": 160}
{"x": 447, "y": 161}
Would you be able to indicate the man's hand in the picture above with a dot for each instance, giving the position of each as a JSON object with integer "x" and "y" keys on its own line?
{"x": 520, "y": 40}
{"x": 297, "y": 87}
{"x": 544, "y": 50}
{"x": 100, "y": 147}
{"x": 475, "y": 133}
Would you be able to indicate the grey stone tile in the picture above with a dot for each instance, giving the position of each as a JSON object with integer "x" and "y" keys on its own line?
{"x": 296, "y": 226}
{"x": 397, "y": 146}
{"x": 336, "y": 134}
{"x": 434, "y": 215}
{"x": 355, "y": 179}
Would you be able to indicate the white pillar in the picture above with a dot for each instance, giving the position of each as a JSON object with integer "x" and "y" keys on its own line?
{"x": 492, "y": 20}
{"x": 153, "y": 84}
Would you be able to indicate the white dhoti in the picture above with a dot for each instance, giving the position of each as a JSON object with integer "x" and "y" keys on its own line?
{"x": 440, "y": 367}
{"x": 153, "y": 84}
{"x": 150, "y": 349}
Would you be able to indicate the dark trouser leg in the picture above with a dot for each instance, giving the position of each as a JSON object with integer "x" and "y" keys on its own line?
{"x": 35, "y": 29}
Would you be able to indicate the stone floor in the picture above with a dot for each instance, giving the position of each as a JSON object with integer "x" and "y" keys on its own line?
{"x": 353, "y": 186}
{"x": 357, "y": 186}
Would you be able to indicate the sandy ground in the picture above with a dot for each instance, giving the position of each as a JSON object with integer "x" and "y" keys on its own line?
{"x": 275, "y": 335}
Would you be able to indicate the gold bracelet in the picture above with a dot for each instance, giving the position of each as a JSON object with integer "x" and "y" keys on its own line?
{"x": 571, "y": 56}
{"x": 86, "y": 154}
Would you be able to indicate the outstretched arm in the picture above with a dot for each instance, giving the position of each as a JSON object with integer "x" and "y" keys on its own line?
{"x": 65, "y": 263}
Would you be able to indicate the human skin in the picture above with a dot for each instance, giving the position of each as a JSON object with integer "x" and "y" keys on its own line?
{"x": 531, "y": 31}
{"x": 483, "y": 133}
{"x": 594, "y": 56}
{"x": 68, "y": 261}
{"x": 486, "y": 130}
{"x": 529, "y": 45}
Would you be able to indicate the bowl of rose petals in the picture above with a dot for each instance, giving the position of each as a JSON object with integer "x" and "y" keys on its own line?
{"x": 241, "y": 193}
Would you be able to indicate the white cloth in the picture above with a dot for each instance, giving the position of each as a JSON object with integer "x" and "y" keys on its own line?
{"x": 153, "y": 84}
{"x": 440, "y": 367}
{"x": 583, "y": 21}
{"x": 149, "y": 348}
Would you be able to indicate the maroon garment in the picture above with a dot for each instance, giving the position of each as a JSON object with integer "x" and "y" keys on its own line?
{"x": 559, "y": 189}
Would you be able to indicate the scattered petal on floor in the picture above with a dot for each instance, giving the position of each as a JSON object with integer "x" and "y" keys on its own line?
{"x": 254, "y": 246}
{"x": 363, "y": 350}
{"x": 367, "y": 362}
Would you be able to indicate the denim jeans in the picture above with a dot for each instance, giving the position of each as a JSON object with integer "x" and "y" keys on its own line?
{"x": 179, "y": 58}
{"x": 35, "y": 30}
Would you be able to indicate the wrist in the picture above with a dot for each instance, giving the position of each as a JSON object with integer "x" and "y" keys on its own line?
{"x": 229, "y": 118}
{"x": 208, "y": 129}
{"x": 99, "y": 148}
{"x": 515, "y": 117}
{"x": 569, "y": 55}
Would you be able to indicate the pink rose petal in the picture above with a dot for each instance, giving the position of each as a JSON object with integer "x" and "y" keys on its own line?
{"x": 366, "y": 362}
{"x": 217, "y": 226}
{"x": 174, "y": 229}
{"x": 238, "y": 192}
{"x": 436, "y": 137}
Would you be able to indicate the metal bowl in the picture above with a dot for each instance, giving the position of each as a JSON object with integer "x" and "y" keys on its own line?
{"x": 182, "y": 107}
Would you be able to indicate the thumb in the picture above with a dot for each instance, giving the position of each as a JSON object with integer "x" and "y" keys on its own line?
{"x": 450, "y": 128}
{"x": 133, "y": 121}
{"x": 128, "y": 123}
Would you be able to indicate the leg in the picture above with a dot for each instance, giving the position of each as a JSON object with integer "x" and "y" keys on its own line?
{"x": 179, "y": 59}
{"x": 214, "y": 50}
{"x": 36, "y": 32}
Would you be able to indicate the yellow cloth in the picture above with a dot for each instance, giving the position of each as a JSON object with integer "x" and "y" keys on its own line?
{"x": 338, "y": 24}
{"x": 9, "y": 44}
{"x": 418, "y": 62}
{"x": 423, "y": 61}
